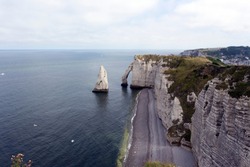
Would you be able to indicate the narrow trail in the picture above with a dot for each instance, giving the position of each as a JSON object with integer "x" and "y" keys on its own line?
{"x": 148, "y": 140}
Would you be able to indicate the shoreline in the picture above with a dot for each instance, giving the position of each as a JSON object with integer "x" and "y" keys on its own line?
{"x": 127, "y": 141}
{"x": 130, "y": 139}
{"x": 147, "y": 141}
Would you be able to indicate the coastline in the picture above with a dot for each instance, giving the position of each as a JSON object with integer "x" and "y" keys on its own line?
{"x": 130, "y": 140}
{"x": 127, "y": 137}
{"x": 147, "y": 141}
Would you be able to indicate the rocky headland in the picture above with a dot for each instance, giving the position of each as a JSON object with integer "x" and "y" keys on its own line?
{"x": 203, "y": 105}
{"x": 101, "y": 85}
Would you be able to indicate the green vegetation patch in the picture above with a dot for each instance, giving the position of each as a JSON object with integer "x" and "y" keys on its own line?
{"x": 158, "y": 164}
{"x": 123, "y": 148}
{"x": 216, "y": 61}
{"x": 237, "y": 80}
{"x": 149, "y": 57}
{"x": 189, "y": 74}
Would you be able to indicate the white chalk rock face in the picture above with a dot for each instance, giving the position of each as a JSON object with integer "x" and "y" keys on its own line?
{"x": 143, "y": 73}
{"x": 168, "y": 107}
{"x": 102, "y": 81}
{"x": 221, "y": 129}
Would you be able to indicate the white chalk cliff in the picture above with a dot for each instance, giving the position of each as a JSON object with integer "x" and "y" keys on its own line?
{"x": 220, "y": 129}
{"x": 143, "y": 73}
{"x": 168, "y": 106}
{"x": 102, "y": 81}
{"x": 150, "y": 73}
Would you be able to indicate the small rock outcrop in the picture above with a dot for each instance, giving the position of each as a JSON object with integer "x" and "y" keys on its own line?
{"x": 102, "y": 81}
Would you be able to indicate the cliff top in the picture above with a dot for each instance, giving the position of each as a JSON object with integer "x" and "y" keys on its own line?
{"x": 191, "y": 74}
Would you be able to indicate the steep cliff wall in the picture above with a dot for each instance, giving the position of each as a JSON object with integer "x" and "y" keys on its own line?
{"x": 167, "y": 105}
{"x": 221, "y": 128}
{"x": 143, "y": 72}
{"x": 148, "y": 71}
{"x": 220, "y": 124}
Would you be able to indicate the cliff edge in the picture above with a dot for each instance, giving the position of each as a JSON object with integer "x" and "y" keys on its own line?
{"x": 179, "y": 84}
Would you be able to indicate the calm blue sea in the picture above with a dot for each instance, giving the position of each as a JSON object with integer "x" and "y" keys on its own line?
{"x": 46, "y": 103}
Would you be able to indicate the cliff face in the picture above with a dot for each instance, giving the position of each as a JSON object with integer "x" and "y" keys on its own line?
{"x": 221, "y": 128}
{"x": 143, "y": 72}
{"x": 148, "y": 71}
{"x": 167, "y": 105}
{"x": 220, "y": 124}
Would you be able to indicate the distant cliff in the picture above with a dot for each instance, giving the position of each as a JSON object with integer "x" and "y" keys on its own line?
{"x": 179, "y": 84}
{"x": 237, "y": 55}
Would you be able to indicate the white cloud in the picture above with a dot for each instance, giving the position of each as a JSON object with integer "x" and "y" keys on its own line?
{"x": 145, "y": 24}
{"x": 226, "y": 15}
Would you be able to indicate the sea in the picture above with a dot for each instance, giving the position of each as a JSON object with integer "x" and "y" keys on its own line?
{"x": 49, "y": 113}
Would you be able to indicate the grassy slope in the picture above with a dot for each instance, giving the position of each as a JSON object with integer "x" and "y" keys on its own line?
{"x": 189, "y": 74}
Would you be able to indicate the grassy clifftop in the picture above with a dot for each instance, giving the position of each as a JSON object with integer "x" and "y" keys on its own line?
{"x": 191, "y": 74}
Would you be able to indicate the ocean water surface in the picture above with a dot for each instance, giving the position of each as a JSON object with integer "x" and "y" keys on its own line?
{"x": 48, "y": 112}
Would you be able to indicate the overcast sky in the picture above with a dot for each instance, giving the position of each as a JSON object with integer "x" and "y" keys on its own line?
{"x": 123, "y": 24}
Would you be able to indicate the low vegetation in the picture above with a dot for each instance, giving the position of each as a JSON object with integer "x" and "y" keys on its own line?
{"x": 148, "y": 57}
{"x": 123, "y": 148}
{"x": 189, "y": 74}
{"x": 158, "y": 164}
{"x": 216, "y": 61}
{"x": 237, "y": 80}
{"x": 17, "y": 161}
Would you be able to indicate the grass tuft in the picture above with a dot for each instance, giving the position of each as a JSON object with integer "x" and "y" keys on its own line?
{"x": 158, "y": 164}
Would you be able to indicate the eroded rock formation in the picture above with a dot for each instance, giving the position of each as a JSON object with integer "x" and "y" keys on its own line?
{"x": 102, "y": 81}
{"x": 125, "y": 75}
{"x": 143, "y": 73}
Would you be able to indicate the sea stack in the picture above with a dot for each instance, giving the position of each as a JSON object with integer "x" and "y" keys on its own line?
{"x": 102, "y": 81}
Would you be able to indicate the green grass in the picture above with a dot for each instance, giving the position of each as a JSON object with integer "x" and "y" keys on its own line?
{"x": 235, "y": 76}
{"x": 216, "y": 61}
{"x": 123, "y": 148}
{"x": 149, "y": 57}
{"x": 158, "y": 164}
{"x": 189, "y": 74}
{"x": 240, "y": 89}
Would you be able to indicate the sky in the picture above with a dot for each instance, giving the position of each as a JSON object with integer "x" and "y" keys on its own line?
{"x": 123, "y": 24}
